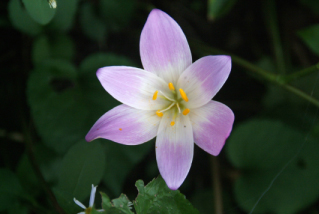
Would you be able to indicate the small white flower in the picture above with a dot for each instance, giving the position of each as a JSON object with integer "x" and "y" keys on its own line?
{"x": 52, "y": 4}
{"x": 87, "y": 210}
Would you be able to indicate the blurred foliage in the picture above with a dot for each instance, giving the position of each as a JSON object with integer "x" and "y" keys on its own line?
{"x": 39, "y": 10}
{"x": 310, "y": 36}
{"x": 50, "y": 98}
{"x": 259, "y": 149}
{"x": 218, "y": 8}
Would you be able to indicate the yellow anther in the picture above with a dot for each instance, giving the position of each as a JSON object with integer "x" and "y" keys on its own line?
{"x": 155, "y": 95}
{"x": 171, "y": 86}
{"x": 172, "y": 123}
{"x": 120, "y": 129}
{"x": 159, "y": 113}
{"x": 183, "y": 94}
{"x": 186, "y": 111}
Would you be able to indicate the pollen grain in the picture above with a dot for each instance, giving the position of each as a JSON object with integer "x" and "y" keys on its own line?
{"x": 172, "y": 123}
{"x": 183, "y": 94}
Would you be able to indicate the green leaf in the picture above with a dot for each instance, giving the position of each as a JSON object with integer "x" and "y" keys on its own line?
{"x": 48, "y": 164}
{"x": 58, "y": 46}
{"x": 65, "y": 200}
{"x": 57, "y": 104}
{"x": 310, "y": 35}
{"x": 260, "y": 149}
{"x": 106, "y": 202}
{"x": 117, "y": 206}
{"x": 91, "y": 25}
{"x": 156, "y": 197}
{"x": 10, "y": 189}
{"x": 117, "y": 13}
{"x": 66, "y": 103}
{"x": 120, "y": 161}
{"x": 18, "y": 208}
{"x": 21, "y": 20}
{"x": 82, "y": 166}
{"x": 218, "y": 8}
{"x": 65, "y": 15}
{"x": 39, "y": 10}
{"x": 94, "y": 211}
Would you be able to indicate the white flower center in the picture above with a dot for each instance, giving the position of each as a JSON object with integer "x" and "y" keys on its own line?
{"x": 177, "y": 102}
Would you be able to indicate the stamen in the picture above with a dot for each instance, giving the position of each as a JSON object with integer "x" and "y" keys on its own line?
{"x": 171, "y": 86}
{"x": 155, "y": 95}
{"x": 167, "y": 97}
{"x": 186, "y": 111}
{"x": 159, "y": 113}
{"x": 172, "y": 123}
{"x": 183, "y": 94}
{"x": 179, "y": 109}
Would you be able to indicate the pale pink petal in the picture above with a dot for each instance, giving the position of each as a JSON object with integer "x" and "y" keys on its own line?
{"x": 163, "y": 47}
{"x": 212, "y": 124}
{"x": 174, "y": 149}
{"x": 203, "y": 79}
{"x": 133, "y": 87}
{"x": 125, "y": 125}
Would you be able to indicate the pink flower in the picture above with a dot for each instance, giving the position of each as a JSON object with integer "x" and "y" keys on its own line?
{"x": 170, "y": 98}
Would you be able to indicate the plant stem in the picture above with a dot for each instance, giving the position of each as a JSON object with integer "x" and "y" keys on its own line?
{"x": 271, "y": 20}
{"x": 279, "y": 80}
{"x": 218, "y": 199}
{"x": 302, "y": 73}
{"x": 37, "y": 170}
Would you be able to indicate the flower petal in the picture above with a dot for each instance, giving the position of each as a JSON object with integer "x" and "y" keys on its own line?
{"x": 212, "y": 124}
{"x": 125, "y": 125}
{"x": 203, "y": 79}
{"x": 79, "y": 203}
{"x": 163, "y": 47}
{"x": 174, "y": 149}
{"x": 132, "y": 86}
{"x": 92, "y": 196}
